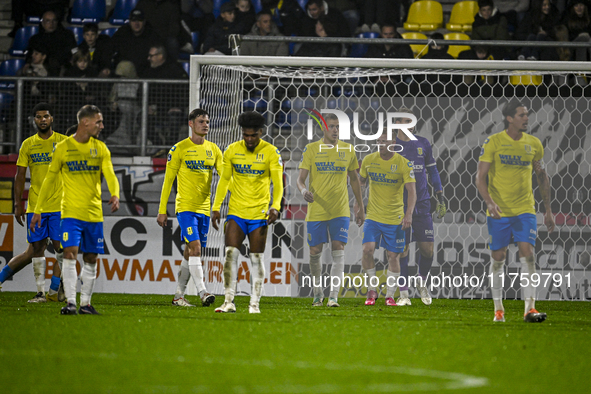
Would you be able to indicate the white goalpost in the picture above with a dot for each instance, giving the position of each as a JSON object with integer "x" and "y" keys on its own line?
{"x": 458, "y": 105}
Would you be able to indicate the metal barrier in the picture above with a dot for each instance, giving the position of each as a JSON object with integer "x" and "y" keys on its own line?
{"x": 141, "y": 116}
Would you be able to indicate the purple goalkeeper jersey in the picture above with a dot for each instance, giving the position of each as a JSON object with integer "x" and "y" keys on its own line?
{"x": 420, "y": 154}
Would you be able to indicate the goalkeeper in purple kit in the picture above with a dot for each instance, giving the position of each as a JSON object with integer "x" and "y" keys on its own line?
{"x": 420, "y": 153}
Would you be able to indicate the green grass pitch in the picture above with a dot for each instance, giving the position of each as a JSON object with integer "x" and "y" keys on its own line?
{"x": 142, "y": 344}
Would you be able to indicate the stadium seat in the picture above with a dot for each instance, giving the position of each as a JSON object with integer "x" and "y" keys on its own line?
{"x": 303, "y": 3}
{"x": 34, "y": 19}
{"x": 186, "y": 67}
{"x": 195, "y": 43}
{"x": 121, "y": 12}
{"x": 424, "y": 15}
{"x": 78, "y": 33}
{"x": 359, "y": 50}
{"x": 462, "y": 16}
{"x": 110, "y": 31}
{"x": 533, "y": 80}
{"x": 257, "y": 104}
{"x": 217, "y": 4}
{"x": 21, "y": 40}
{"x": 258, "y": 5}
{"x": 88, "y": 11}
{"x": 10, "y": 67}
{"x": 418, "y": 50}
{"x": 455, "y": 50}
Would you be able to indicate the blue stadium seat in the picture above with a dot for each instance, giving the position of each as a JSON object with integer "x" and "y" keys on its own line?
{"x": 10, "y": 67}
{"x": 88, "y": 11}
{"x": 303, "y": 3}
{"x": 5, "y": 101}
{"x": 21, "y": 40}
{"x": 217, "y": 4}
{"x": 258, "y": 5}
{"x": 359, "y": 50}
{"x": 78, "y": 33}
{"x": 110, "y": 31}
{"x": 186, "y": 67}
{"x": 34, "y": 19}
{"x": 257, "y": 104}
{"x": 195, "y": 43}
{"x": 121, "y": 11}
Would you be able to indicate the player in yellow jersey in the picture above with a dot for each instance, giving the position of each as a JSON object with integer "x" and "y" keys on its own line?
{"x": 80, "y": 160}
{"x": 250, "y": 165}
{"x": 329, "y": 162}
{"x": 191, "y": 162}
{"x": 507, "y": 158}
{"x": 388, "y": 174}
{"x": 35, "y": 154}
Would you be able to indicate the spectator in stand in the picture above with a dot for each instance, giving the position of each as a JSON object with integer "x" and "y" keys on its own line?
{"x": 380, "y": 12}
{"x": 197, "y": 15}
{"x": 324, "y": 28}
{"x": 317, "y": 9}
{"x": 133, "y": 41}
{"x": 216, "y": 42}
{"x": 124, "y": 98}
{"x": 167, "y": 103}
{"x": 489, "y": 24}
{"x": 75, "y": 94}
{"x": 264, "y": 27}
{"x": 287, "y": 14}
{"x": 478, "y": 52}
{"x": 245, "y": 15}
{"x": 22, "y": 8}
{"x": 514, "y": 11}
{"x": 437, "y": 48}
{"x": 165, "y": 18}
{"x": 56, "y": 39}
{"x": 99, "y": 47}
{"x": 576, "y": 19}
{"x": 349, "y": 9}
{"x": 38, "y": 90}
{"x": 400, "y": 51}
{"x": 537, "y": 25}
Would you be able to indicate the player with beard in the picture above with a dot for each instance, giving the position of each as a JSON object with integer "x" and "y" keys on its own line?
{"x": 36, "y": 153}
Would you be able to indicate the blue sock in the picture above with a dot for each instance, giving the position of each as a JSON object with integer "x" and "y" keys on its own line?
{"x": 425, "y": 264}
{"x": 55, "y": 283}
{"x": 5, "y": 274}
{"x": 404, "y": 272}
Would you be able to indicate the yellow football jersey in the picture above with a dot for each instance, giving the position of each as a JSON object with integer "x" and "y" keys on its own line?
{"x": 510, "y": 173}
{"x": 328, "y": 179}
{"x": 386, "y": 186}
{"x": 192, "y": 165}
{"x": 80, "y": 166}
{"x": 251, "y": 174}
{"x": 36, "y": 153}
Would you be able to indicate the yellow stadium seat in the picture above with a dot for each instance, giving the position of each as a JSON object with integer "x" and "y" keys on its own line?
{"x": 418, "y": 50}
{"x": 455, "y": 50}
{"x": 424, "y": 15}
{"x": 533, "y": 80}
{"x": 462, "y": 16}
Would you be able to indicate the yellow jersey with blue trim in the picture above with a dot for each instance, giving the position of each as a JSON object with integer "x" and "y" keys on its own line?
{"x": 248, "y": 175}
{"x": 386, "y": 186}
{"x": 36, "y": 153}
{"x": 510, "y": 173}
{"x": 328, "y": 170}
{"x": 80, "y": 166}
{"x": 192, "y": 164}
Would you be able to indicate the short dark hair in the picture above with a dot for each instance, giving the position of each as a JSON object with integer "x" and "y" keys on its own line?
{"x": 486, "y": 3}
{"x": 251, "y": 120}
{"x": 319, "y": 3}
{"x": 160, "y": 48}
{"x": 88, "y": 111}
{"x": 197, "y": 112}
{"x": 510, "y": 108}
{"x": 43, "y": 107}
{"x": 265, "y": 11}
{"x": 90, "y": 27}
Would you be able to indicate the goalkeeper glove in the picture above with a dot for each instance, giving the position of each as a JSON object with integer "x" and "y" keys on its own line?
{"x": 441, "y": 208}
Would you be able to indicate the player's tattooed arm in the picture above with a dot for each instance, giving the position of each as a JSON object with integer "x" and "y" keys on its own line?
{"x": 545, "y": 191}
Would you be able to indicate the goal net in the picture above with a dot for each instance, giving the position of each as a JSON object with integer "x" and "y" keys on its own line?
{"x": 458, "y": 105}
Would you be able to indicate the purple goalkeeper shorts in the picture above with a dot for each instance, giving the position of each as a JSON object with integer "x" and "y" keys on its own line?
{"x": 422, "y": 224}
